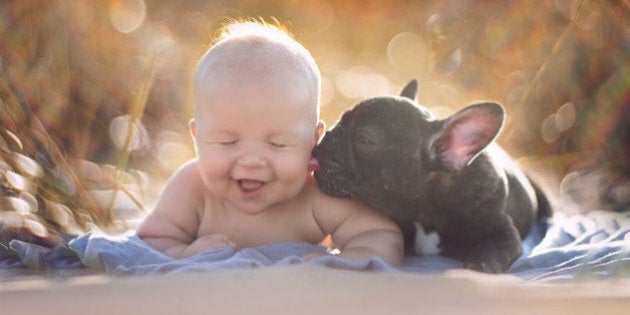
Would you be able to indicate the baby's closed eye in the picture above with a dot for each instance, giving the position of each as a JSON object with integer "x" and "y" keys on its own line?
{"x": 221, "y": 141}
{"x": 227, "y": 143}
{"x": 278, "y": 144}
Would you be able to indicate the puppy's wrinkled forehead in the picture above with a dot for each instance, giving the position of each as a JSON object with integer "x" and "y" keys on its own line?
{"x": 390, "y": 112}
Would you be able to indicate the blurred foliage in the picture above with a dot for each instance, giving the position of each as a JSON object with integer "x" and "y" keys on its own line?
{"x": 109, "y": 81}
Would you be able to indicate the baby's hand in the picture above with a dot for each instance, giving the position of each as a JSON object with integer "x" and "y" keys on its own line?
{"x": 207, "y": 242}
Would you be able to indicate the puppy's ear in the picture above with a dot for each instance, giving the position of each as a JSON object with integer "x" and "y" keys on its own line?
{"x": 410, "y": 90}
{"x": 465, "y": 134}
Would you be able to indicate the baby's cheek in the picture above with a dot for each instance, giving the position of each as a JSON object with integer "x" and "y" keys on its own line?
{"x": 293, "y": 166}
{"x": 214, "y": 166}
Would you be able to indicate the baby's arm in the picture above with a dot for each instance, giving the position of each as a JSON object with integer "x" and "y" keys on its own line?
{"x": 359, "y": 231}
{"x": 172, "y": 226}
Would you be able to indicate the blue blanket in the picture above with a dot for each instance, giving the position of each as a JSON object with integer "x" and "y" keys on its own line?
{"x": 583, "y": 247}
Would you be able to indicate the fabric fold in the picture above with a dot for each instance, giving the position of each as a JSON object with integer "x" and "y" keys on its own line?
{"x": 591, "y": 246}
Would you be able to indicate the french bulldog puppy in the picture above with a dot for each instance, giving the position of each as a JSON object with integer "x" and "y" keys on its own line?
{"x": 444, "y": 177}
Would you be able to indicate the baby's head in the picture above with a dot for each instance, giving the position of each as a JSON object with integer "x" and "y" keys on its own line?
{"x": 256, "y": 116}
{"x": 260, "y": 54}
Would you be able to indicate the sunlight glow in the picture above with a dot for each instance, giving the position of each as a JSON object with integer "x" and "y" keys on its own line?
{"x": 106, "y": 85}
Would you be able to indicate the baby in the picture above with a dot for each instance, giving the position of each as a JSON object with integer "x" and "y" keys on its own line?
{"x": 256, "y": 120}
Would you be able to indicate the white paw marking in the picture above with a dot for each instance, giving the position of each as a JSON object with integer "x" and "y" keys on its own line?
{"x": 426, "y": 244}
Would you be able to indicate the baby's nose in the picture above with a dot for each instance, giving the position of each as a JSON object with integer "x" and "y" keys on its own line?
{"x": 251, "y": 158}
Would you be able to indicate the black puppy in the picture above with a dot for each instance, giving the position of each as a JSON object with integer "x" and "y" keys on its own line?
{"x": 441, "y": 176}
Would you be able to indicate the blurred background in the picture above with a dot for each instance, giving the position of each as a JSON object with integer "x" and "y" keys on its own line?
{"x": 95, "y": 90}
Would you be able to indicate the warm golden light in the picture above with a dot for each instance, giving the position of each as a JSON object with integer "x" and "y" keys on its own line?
{"x": 91, "y": 91}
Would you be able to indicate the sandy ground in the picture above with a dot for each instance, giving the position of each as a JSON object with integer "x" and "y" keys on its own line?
{"x": 310, "y": 290}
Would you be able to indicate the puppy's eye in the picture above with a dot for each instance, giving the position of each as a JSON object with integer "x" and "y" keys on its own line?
{"x": 363, "y": 140}
{"x": 366, "y": 144}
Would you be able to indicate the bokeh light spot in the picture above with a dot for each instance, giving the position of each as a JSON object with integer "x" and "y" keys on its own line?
{"x": 61, "y": 213}
{"x": 315, "y": 15}
{"x": 10, "y": 220}
{"x": 30, "y": 200}
{"x": 159, "y": 42}
{"x": 515, "y": 96}
{"x": 64, "y": 182}
{"x": 15, "y": 141}
{"x": 565, "y": 117}
{"x": 360, "y": 82}
{"x": 408, "y": 53}
{"x": 172, "y": 150}
{"x": 566, "y": 7}
{"x": 328, "y": 91}
{"x": 435, "y": 26}
{"x": 36, "y": 227}
{"x": 450, "y": 63}
{"x": 18, "y": 205}
{"x": 16, "y": 180}
{"x": 127, "y": 15}
{"x": 548, "y": 129}
{"x": 558, "y": 123}
{"x": 128, "y": 134}
{"x": 27, "y": 166}
{"x": 597, "y": 30}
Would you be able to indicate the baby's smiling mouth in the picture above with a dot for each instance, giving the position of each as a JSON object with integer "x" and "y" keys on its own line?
{"x": 250, "y": 185}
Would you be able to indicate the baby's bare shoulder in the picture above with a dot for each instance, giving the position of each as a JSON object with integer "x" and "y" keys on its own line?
{"x": 176, "y": 212}
{"x": 322, "y": 201}
{"x": 331, "y": 212}
{"x": 188, "y": 172}
{"x": 183, "y": 190}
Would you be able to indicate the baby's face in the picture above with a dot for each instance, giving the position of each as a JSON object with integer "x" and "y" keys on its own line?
{"x": 254, "y": 140}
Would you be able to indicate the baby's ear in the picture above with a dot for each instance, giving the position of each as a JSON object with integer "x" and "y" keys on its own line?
{"x": 465, "y": 134}
{"x": 193, "y": 127}
{"x": 410, "y": 90}
{"x": 319, "y": 131}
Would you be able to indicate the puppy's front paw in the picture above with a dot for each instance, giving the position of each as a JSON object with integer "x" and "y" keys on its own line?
{"x": 426, "y": 244}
